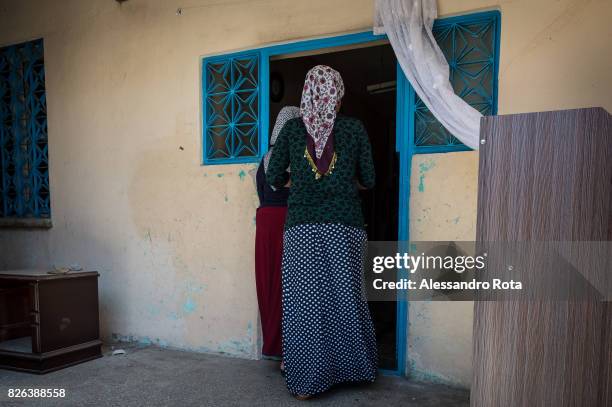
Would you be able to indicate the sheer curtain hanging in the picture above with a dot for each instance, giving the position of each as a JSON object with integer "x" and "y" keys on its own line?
{"x": 408, "y": 25}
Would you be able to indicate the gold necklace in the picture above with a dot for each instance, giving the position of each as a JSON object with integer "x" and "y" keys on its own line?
{"x": 313, "y": 166}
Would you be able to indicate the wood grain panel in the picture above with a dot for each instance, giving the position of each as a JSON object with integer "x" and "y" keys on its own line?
{"x": 544, "y": 177}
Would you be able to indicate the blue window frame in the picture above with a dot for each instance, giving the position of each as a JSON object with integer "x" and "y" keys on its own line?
{"x": 470, "y": 44}
{"x": 231, "y": 108}
{"x": 24, "y": 164}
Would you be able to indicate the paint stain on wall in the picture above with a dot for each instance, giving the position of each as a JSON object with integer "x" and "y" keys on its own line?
{"x": 146, "y": 341}
{"x": 139, "y": 341}
{"x": 242, "y": 174}
{"x": 154, "y": 310}
{"x": 189, "y": 306}
{"x": 240, "y": 346}
{"x": 194, "y": 287}
{"x": 423, "y": 169}
{"x": 425, "y": 376}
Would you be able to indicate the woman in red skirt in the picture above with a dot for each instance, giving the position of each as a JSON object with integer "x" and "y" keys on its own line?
{"x": 270, "y": 221}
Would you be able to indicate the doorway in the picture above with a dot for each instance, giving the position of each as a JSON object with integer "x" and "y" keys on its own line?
{"x": 369, "y": 73}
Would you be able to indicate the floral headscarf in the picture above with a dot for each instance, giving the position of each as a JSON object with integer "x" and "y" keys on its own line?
{"x": 323, "y": 90}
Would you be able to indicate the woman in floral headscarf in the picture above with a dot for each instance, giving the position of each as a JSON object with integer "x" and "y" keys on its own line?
{"x": 328, "y": 335}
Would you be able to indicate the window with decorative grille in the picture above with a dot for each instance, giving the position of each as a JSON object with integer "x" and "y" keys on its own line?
{"x": 24, "y": 165}
{"x": 231, "y": 109}
{"x": 233, "y": 85}
{"x": 470, "y": 45}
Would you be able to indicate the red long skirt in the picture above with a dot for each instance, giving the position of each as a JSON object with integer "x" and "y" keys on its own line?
{"x": 270, "y": 222}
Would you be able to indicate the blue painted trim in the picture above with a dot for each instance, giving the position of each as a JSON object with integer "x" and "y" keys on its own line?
{"x": 203, "y": 107}
{"x": 497, "y": 17}
{"x": 387, "y": 372}
{"x": 264, "y": 102}
{"x": 328, "y": 42}
{"x": 404, "y": 143}
{"x": 440, "y": 149}
{"x": 230, "y": 160}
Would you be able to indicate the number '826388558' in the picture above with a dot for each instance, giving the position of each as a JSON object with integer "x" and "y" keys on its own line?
{"x": 36, "y": 393}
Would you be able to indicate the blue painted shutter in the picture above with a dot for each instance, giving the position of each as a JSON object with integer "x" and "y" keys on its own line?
{"x": 231, "y": 96}
{"x": 470, "y": 44}
{"x": 24, "y": 165}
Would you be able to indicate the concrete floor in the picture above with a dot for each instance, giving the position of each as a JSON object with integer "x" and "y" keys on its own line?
{"x": 150, "y": 376}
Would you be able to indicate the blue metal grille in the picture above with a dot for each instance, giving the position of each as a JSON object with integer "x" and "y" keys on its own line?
{"x": 470, "y": 45}
{"x": 24, "y": 166}
{"x": 231, "y": 112}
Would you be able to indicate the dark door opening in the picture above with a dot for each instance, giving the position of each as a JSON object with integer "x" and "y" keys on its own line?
{"x": 369, "y": 76}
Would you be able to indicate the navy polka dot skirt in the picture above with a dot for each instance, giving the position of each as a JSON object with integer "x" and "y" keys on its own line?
{"x": 328, "y": 335}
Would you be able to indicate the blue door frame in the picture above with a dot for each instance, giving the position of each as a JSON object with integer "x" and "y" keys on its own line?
{"x": 403, "y": 144}
{"x": 405, "y": 134}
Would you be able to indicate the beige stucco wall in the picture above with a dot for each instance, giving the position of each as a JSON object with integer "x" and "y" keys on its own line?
{"x": 442, "y": 208}
{"x": 173, "y": 240}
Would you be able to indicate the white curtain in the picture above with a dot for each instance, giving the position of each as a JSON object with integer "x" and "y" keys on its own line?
{"x": 408, "y": 25}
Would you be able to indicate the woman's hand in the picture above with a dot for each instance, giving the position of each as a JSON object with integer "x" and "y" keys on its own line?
{"x": 288, "y": 184}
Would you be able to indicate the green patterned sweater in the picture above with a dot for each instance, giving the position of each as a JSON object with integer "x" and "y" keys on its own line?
{"x": 334, "y": 198}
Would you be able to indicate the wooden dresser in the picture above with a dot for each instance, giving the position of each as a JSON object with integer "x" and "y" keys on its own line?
{"x": 48, "y": 321}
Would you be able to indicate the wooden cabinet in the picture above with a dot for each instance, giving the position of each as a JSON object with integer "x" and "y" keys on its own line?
{"x": 47, "y": 321}
{"x": 544, "y": 177}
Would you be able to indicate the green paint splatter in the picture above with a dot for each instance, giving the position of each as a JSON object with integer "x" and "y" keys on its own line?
{"x": 194, "y": 287}
{"x": 456, "y": 220}
{"x": 242, "y": 174}
{"x": 220, "y": 175}
{"x": 189, "y": 306}
{"x": 226, "y": 199}
{"x": 154, "y": 310}
{"x": 426, "y": 376}
{"x": 423, "y": 168}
